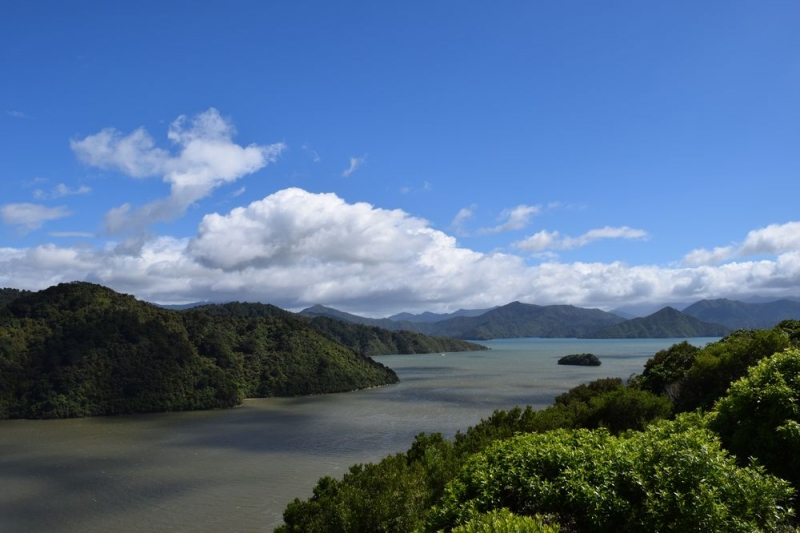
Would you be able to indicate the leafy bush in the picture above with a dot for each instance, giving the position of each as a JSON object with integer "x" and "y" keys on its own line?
{"x": 721, "y": 363}
{"x": 624, "y": 409}
{"x": 672, "y": 477}
{"x": 390, "y": 496}
{"x": 694, "y": 378}
{"x": 664, "y": 372}
{"x": 504, "y": 521}
{"x": 585, "y": 392}
{"x": 760, "y": 415}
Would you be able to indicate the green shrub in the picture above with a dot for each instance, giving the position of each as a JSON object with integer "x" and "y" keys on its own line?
{"x": 390, "y": 496}
{"x": 585, "y": 392}
{"x": 672, "y": 477}
{"x": 721, "y": 363}
{"x": 664, "y": 372}
{"x": 760, "y": 415}
{"x": 504, "y": 521}
{"x": 626, "y": 408}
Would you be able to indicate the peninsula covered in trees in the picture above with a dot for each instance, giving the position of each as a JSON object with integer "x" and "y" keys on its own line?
{"x": 81, "y": 349}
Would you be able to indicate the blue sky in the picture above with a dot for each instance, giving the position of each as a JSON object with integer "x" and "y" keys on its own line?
{"x": 381, "y": 157}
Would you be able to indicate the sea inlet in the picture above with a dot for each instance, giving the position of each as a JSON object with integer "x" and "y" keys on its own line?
{"x": 235, "y": 470}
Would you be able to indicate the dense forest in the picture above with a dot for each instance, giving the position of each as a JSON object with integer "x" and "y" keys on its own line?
{"x": 80, "y": 349}
{"x": 704, "y": 439}
{"x": 9, "y": 295}
{"x": 364, "y": 339}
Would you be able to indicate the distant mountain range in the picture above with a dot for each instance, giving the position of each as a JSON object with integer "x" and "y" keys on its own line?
{"x": 706, "y": 318}
{"x": 321, "y": 310}
{"x": 509, "y": 321}
{"x": 737, "y": 315}
{"x": 437, "y": 317}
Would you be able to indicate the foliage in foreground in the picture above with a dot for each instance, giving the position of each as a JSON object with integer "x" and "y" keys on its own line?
{"x": 504, "y": 521}
{"x": 371, "y": 497}
{"x": 760, "y": 415}
{"x": 674, "y": 476}
{"x": 681, "y": 479}
{"x": 694, "y": 378}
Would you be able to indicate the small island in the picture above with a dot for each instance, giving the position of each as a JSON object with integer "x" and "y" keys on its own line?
{"x": 580, "y": 359}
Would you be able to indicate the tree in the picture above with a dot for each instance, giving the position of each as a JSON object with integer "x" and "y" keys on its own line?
{"x": 672, "y": 477}
{"x": 760, "y": 415}
{"x": 664, "y": 373}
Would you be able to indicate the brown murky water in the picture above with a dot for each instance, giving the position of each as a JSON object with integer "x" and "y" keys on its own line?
{"x": 235, "y": 470}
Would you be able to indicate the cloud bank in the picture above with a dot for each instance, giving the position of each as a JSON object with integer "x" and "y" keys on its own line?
{"x": 294, "y": 248}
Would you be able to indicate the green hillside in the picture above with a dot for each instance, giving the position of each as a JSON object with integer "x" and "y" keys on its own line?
{"x": 79, "y": 349}
{"x": 513, "y": 320}
{"x": 371, "y": 340}
{"x": 525, "y": 320}
{"x": 9, "y": 295}
{"x": 386, "y": 323}
{"x": 664, "y": 324}
{"x": 363, "y": 338}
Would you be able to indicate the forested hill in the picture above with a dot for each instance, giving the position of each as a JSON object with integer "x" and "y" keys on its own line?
{"x": 80, "y": 349}
{"x": 526, "y": 320}
{"x": 371, "y": 340}
{"x": 508, "y": 321}
{"x": 9, "y": 295}
{"x": 386, "y": 323}
{"x": 665, "y": 324}
{"x": 365, "y": 339}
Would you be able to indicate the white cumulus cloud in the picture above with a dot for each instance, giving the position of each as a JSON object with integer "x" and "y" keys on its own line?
{"x": 206, "y": 158}
{"x": 295, "y": 227}
{"x": 771, "y": 240}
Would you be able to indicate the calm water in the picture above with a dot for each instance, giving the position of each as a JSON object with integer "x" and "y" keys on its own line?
{"x": 235, "y": 470}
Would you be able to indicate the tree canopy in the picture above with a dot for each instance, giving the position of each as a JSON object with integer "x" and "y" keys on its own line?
{"x": 80, "y": 349}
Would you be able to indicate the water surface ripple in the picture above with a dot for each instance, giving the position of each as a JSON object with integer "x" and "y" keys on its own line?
{"x": 235, "y": 470}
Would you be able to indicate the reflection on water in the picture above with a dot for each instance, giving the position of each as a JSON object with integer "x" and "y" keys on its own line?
{"x": 235, "y": 470}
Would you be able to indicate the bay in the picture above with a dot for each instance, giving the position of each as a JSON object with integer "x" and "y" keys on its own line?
{"x": 235, "y": 470}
